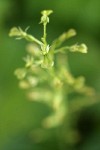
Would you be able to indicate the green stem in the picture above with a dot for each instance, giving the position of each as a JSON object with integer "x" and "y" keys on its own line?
{"x": 45, "y": 31}
{"x": 33, "y": 39}
{"x": 44, "y": 34}
{"x": 62, "y": 49}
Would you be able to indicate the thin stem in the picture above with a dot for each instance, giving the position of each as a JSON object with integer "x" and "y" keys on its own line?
{"x": 32, "y": 39}
{"x": 44, "y": 34}
{"x": 61, "y": 49}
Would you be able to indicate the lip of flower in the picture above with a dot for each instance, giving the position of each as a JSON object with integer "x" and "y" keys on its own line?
{"x": 46, "y": 12}
{"x": 83, "y": 48}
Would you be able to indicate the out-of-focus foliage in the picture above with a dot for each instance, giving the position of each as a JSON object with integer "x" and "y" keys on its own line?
{"x": 19, "y": 118}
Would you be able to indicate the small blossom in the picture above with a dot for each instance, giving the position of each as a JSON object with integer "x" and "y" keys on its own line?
{"x": 17, "y": 32}
{"x": 45, "y": 50}
{"x": 23, "y": 84}
{"x": 33, "y": 50}
{"x": 33, "y": 81}
{"x": 79, "y": 48}
{"x": 29, "y": 61}
{"x": 20, "y": 73}
{"x": 45, "y": 18}
{"x": 70, "y": 33}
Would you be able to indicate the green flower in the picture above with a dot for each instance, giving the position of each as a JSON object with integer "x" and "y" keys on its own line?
{"x": 45, "y": 14}
{"x": 79, "y": 48}
{"x": 18, "y": 32}
{"x": 29, "y": 61}
{"x": 20, "y": 73}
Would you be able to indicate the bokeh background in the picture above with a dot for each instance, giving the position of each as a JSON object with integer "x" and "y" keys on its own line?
{"x": 18, "y": 116}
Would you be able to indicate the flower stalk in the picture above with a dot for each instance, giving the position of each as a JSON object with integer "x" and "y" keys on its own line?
{"x": 46, "y": 75}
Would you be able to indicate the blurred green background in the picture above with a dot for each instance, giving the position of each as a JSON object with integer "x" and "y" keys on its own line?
{"x": 18, "y": 116}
